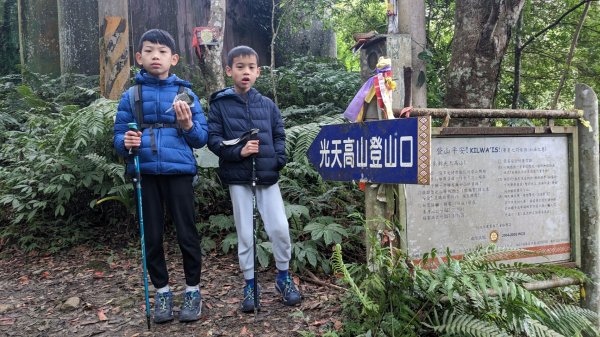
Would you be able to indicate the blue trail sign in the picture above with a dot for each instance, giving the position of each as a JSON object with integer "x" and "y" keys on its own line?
{"x": 393, "y": 151}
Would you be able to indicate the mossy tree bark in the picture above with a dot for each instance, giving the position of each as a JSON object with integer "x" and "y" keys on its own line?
{"x": 9, "y": 37}
{"x": 210, "y": 61}
{"x": 482, "y": 30}
{"x": 38, "y": 36}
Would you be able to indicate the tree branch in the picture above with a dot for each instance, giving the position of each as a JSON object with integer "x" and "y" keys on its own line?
{"x": 570, "y": 55}
{"x": 552, "y": 25}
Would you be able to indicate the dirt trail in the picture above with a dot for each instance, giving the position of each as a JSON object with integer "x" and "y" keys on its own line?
{"x": 109, "y": 288}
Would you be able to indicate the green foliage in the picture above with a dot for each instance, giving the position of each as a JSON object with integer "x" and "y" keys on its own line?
{"x": 211, "y": 197}
{"x": 439, "y": 27}
{"x": 355, "y": 16}
{"x": 327, "y": 202}
{"x": 309, "y": 81}
{"x": 476, "y": 296}
{"x": 544, "y": 59}
{"x": 324, "y": 228}
{"x": 219, "y": 228}
{"x": 297, "y": 116}
{"x": 465, "y": 325}
{"x": 56, "y": 163}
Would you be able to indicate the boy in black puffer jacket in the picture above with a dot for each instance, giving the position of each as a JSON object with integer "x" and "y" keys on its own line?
{"x": 234, "y": 111}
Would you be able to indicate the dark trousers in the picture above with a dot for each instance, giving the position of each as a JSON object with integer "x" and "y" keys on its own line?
{"x": 177, "y": 194}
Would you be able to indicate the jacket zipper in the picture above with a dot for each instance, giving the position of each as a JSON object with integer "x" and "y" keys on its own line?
{"x": 157, "y": 131}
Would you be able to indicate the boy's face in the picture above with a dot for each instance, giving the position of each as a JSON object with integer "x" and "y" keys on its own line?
{"x": 157, "y": 59}
{"x": 244, "y": 71}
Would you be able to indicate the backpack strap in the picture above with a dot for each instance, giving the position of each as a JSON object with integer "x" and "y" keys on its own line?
{"x": 135, "y": 102}
{"x": 137, "y": 97}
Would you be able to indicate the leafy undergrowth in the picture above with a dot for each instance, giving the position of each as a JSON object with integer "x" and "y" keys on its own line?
{"x": 108, "y": 284}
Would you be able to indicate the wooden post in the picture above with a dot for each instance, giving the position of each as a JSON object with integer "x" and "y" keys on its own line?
{"x": 38, "y": 36}
{"x": 77, "y": 27}
{"x": 381, "y": 199}
{"x": 589, "y": 194}
{"x": 411, "y": 21}
{"x": 114, "y": 47}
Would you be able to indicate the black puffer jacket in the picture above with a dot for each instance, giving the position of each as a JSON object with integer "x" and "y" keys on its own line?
{"x": 231, "y": 115}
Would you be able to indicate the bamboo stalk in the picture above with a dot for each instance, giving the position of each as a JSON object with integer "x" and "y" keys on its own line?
{"x": 494, "y": 113}
{"x": 536, "y": 285}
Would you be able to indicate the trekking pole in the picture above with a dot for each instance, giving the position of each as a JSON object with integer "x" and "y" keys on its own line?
{"x": 254, "y": 231}
{"x": 244, "y": 137}
{"x": 138, "y": 186}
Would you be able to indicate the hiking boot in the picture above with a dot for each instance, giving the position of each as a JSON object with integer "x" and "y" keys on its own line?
{"x": 248, "y": 302}
{"x": 192, "y": 306}
{"x": 163, "y": 307}
{"x": 288, "y": 291}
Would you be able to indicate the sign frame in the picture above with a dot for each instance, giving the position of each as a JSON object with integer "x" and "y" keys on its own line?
{"x": 573, "y": 177}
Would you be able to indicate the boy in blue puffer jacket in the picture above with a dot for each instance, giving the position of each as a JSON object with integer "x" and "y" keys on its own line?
{"x": 169, "y": 129}
{"x": 234, "y": 111}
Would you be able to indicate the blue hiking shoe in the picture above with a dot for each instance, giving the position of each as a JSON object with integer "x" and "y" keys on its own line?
{"x": 192, "y": 307}
{"x": 163, "y": 307}
{"x": 248, "y": 302}
{"x": 289, "y": 293}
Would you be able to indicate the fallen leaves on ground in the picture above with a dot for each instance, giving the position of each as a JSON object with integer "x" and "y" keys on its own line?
{"x": 112, "y": 297}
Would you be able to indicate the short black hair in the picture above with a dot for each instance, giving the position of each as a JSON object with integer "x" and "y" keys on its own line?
{"x": 240, "y": 51}
{"x": 158, "y": 36}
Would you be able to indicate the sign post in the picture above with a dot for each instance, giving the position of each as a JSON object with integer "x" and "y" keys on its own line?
{"x": 395, "y": 151}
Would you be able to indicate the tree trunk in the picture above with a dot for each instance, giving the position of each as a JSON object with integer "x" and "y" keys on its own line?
{"x": 211, "y": 64}
{"x": 520, "y": 47}
{"x": 38, "y": 36}
{"x": 411, "y": 20}
{"x": 518, "y": 58}
{"x": 78, "y": 33}
{"x": 316, "y": 40}
{"x": 481, "y": 36}
{"x": 274, "y": 31}
{"x": 9, "y": 37}
{"x": 249, "y": 23}
{"x": 114, "y": 47}
{"x": 176, "y": 17}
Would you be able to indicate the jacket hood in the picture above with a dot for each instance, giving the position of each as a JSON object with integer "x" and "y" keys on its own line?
{"x": 229, "y": 92}
{"x": 143, "y": 77}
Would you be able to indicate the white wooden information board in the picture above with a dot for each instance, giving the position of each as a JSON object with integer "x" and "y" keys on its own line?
{"x": 512, "y": 191}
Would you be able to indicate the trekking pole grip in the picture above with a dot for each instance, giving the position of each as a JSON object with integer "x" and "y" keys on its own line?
{"x": 133, "y": 127}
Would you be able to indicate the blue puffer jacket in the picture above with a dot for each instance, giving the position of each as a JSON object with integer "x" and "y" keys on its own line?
{"x": 229, "y": 117}
{"x": 173, "y": 153}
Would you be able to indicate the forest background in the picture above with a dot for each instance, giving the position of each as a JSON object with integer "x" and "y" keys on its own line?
{"x": 63, "y": 186}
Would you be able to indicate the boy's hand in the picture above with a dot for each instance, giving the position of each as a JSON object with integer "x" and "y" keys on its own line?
{"x": 250, "y": 148}
{"x": 132, "y": 139}
{"x": 184, "y": 115}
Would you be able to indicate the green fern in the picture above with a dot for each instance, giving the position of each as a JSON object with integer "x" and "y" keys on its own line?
{"x": 465, "y": 325}
{"x": 572, "y": 320}
{"x": 338, "y": 266}
{"x": 475, "y": 296}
